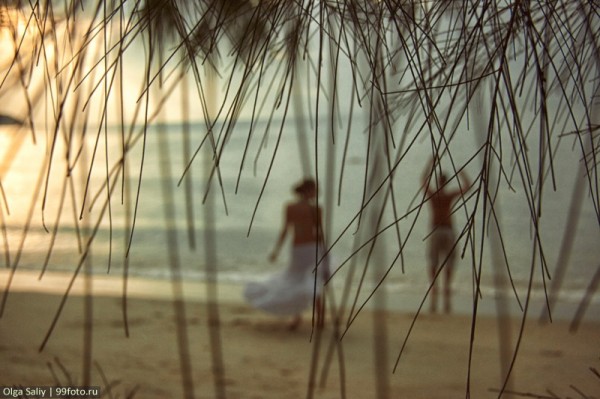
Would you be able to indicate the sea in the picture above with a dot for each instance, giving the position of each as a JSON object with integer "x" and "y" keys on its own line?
{"x": 180, "y": 188}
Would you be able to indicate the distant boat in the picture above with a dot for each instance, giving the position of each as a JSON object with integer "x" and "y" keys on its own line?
{"x": 9, "y": 120}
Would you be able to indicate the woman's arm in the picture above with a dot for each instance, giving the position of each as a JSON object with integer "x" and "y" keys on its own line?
{"x": 426, "y": 175}
{"x": 466, "y": 182}
{"x": 282, "y": 235}
{"x": 320, "y": 232}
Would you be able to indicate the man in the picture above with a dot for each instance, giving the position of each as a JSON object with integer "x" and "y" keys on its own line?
{"x": 441, "y": 242}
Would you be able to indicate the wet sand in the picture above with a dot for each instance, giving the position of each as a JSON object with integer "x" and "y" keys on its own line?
{"x": 262, "y": 359}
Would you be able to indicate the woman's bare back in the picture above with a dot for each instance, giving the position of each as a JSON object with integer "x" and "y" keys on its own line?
{"x": 304, "y": 219}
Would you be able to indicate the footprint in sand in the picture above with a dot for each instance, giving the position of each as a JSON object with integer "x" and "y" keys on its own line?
{"x": 240, "y": 321}
{"x": 553, "y": 353}
{"x": 130, "y": 322}
{"x": 285, "y": 372}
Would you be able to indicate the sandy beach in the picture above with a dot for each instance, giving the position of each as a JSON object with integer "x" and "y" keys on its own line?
{"x": 262, "y": 359}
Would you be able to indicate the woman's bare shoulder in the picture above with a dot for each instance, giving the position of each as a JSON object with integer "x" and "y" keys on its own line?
{"x": 301, "y": 208}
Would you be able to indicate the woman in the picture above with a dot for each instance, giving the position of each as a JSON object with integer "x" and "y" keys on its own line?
{"x": 441, "y": 243}
{"x": 292, "y": 290}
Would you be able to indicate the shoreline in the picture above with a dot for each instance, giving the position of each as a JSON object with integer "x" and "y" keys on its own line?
{"x": 231, "y": 293}
{"x": 262, "y": 359}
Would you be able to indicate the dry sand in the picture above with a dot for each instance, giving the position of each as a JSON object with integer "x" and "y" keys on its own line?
{"x": 262, "y": 359}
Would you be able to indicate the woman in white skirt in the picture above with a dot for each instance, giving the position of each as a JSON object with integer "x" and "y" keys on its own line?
{"x": 291, "y": 291}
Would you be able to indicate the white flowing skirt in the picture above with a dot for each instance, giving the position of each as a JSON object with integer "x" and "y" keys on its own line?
{"x": 290, "y": 291}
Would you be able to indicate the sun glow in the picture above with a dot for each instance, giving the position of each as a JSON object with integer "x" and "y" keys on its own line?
{"x": 17, "y": 28}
